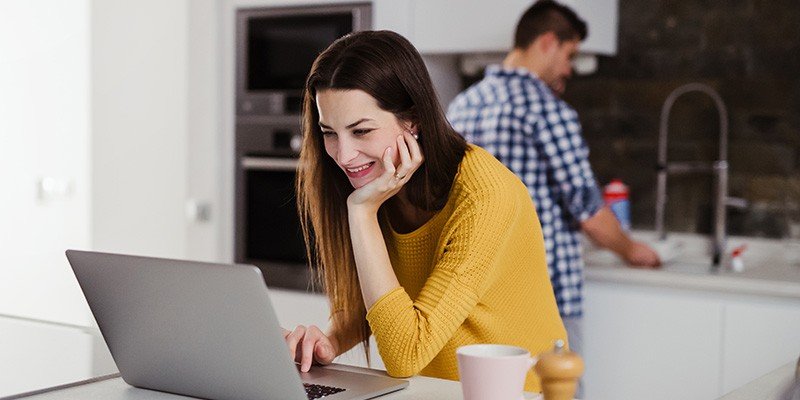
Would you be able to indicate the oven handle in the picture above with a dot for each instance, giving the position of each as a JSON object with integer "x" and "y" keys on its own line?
{"x": 269, "y": 164}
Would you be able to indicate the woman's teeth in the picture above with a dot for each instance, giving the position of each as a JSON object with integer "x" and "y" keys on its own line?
{"x": 361, "y": 168}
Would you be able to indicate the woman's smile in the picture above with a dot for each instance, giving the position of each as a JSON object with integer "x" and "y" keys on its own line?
{"x": 357, "y": 133}
{"x": 359, "y": 171}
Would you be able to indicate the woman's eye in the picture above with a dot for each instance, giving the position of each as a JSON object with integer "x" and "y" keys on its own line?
{"x": 328, "y": 133}
{"x": 361, "y": 132}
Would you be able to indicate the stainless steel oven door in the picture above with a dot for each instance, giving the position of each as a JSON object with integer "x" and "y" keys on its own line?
{"x": 269, "y": 234}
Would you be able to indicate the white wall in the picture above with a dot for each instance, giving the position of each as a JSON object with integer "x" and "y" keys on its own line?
{"x": 103, "y": 98}
{"x": 139, "y": 126}
{"x": 44, "y": 202}
{"x": 111, "y": 102}
{"x": 205, "y": 135}
{"x": 44, "y": 121}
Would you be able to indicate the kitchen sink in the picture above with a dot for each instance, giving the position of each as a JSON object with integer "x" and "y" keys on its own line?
{"x": 691, "y": 254}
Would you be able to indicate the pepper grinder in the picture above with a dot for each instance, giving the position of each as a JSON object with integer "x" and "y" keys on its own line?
{"x": 559, "y": 371}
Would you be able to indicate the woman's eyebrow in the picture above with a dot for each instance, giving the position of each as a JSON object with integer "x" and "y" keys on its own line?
{"x": 354, "y": 124}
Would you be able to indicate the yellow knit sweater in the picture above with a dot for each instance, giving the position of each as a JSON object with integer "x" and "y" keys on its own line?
{"x": 474, "y": 273}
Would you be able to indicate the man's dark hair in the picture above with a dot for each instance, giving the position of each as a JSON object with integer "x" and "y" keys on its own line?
{"x": 548, "y": 16}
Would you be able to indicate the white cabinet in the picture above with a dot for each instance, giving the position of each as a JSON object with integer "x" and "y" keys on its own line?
{"x": 650, "y": 343}
{"x": 94, "y": 111}
{"x": 139, "y": 131}
{"x": 93, "y": 124}
{"x": 299, "y": 308}
{"x": 466, "y": 26}
{"x": 653, "y": 342}
{"x": 44, "y": 156}
{"x": 759, "y": 335}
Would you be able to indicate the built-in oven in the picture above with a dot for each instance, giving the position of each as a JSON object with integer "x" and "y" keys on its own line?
{"x": 268, "y": 231}
{"x": 275, "y": 50}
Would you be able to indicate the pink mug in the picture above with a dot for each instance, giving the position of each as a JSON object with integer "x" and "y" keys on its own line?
{"x": 493, "y": 371}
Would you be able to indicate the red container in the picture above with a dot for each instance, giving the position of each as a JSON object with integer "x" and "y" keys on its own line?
{"x": 616, "y": 196}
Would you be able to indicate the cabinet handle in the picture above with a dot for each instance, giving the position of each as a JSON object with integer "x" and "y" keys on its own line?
{"x": 270, "y": 164}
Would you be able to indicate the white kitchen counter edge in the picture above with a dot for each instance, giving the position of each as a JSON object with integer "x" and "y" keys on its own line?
{"x": 722, "y": 282}
{"x": 768, "y": 387}
{"x": 112, "y": 387}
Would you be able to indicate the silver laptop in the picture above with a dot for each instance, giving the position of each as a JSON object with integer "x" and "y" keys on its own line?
{"x": 202, "y": 329}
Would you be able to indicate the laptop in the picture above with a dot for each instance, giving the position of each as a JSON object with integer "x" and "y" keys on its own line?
{"x": 203, "y": 330}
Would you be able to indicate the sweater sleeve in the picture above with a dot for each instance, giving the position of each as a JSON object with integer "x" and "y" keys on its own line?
{"x": 410, "y": 333}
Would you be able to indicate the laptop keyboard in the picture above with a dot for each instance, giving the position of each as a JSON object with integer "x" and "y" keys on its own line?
{"x": 318, "y": 391}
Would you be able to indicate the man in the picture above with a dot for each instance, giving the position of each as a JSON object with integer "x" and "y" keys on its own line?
{"x": 516, "y": 114}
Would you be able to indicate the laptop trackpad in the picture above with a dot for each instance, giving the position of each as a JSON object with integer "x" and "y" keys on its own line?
{"x": 356, "y": 385}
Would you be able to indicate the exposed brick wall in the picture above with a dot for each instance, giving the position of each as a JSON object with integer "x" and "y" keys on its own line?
{"x": 749, "y": 50}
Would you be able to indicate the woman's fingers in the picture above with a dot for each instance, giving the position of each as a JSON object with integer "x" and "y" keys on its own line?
{"x": 323, "y": 353}
{"x": 307, "y": 351}
{"x": 388, "y": 164}
{"x": 414, "y": 149}
{"x": 307, "y": 345}
{"x": 405, "y": 158}
{"x": 394, "y": 177}
{"x": 315, "y": 347}
{"x": 294, "y": 338}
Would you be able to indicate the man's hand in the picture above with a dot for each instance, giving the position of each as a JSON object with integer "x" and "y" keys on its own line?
{"x": 604, "y": 229}
{"x": 640, "y": 255}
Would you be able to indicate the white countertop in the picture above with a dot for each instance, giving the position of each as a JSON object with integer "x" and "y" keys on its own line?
{"x": 772, "y": 386}
{"x": 112, "y": 387}
{"x": 769, "y": 268}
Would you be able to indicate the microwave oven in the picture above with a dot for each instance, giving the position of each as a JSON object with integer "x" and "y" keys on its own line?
{"x": 276, "y": 47}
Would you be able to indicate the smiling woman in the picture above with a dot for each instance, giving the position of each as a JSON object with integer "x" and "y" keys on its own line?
{"x": 359, "y": 147}
{"x": 420, "y": 239}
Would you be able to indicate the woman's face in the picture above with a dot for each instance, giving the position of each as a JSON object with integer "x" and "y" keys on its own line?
{"x": 357, "y": 132}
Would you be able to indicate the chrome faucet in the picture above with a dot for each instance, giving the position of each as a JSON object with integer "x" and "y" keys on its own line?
{"x": 719, "y": 168}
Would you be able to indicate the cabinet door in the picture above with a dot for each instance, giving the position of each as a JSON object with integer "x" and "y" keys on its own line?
{"x": 299, "y": 308}
{"x": 38, "y": 355}
{"x": 442, "y": 26}
{"x": 651, "y": 343}
{"x": 44, "y": 156}
{"x": 760, "y": 335}
{"x": 465, "y": 26}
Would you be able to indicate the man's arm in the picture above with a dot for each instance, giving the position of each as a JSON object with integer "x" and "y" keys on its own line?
{"x": 604, "y": 229}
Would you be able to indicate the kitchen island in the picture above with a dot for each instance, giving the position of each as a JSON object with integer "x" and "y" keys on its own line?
{"x": 688, "y": 331}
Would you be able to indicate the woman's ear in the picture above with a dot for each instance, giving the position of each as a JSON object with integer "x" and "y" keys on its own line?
{"x": 411, "y": 127}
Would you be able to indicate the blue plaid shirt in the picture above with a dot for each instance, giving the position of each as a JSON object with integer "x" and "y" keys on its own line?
{"x": 515, "y": 116}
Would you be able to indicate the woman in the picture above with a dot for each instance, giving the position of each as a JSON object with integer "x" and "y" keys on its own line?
{"x": 420, "y": 239}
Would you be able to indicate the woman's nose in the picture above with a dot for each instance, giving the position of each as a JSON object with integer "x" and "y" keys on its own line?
{"x": 348, "y": 150}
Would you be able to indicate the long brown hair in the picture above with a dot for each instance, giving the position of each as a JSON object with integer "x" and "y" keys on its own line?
{"x": 387, "y": 67}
